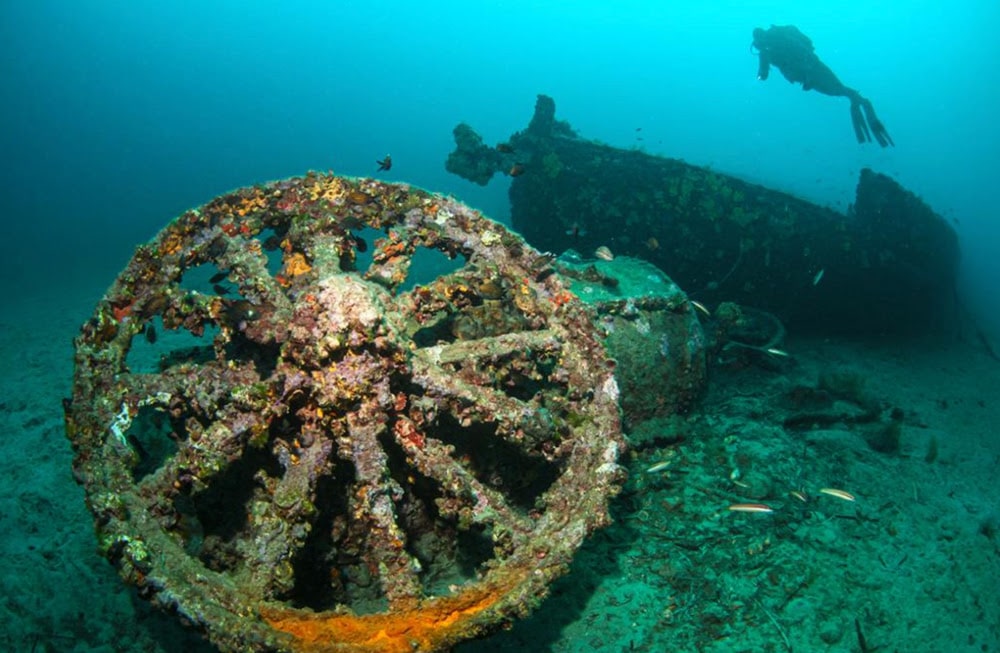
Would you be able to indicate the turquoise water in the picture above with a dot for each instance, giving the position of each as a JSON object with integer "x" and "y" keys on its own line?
{"x": 119, "y": 116}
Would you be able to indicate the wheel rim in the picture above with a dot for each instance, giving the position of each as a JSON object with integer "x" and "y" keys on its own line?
{"x": 346, "y": 460}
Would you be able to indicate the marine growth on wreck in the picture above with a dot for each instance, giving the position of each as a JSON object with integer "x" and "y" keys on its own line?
{"x": 331, "y": 454}
{"x": 888, "y": 264}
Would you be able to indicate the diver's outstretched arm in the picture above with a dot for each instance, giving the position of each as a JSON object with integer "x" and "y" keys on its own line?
{"x": 764, "y": 66}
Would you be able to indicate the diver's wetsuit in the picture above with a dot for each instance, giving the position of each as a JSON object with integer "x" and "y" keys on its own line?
{"x": 792, "y": 52}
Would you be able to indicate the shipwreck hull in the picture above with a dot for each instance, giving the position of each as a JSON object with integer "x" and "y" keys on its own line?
{"x": 887, "y": 265}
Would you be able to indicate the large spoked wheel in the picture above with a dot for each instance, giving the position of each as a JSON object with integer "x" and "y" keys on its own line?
{"x": 301, "y": 434}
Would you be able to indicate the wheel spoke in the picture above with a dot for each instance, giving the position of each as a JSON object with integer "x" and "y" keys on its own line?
{"x": 524, "y": 424}
{"x": 276, "y": 538}
{"x": 372, "y": 501}
{"x": 391, "y": 260}
{"x": 434, "y": 459}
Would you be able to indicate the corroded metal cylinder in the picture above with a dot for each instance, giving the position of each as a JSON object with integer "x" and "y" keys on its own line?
{"x": 650, "y": 328}
{"x": 298, "y": 441}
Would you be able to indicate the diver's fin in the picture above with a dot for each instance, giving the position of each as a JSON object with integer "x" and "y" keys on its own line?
{"x": 858, "y": 120}
{"x": 877, "y": 128}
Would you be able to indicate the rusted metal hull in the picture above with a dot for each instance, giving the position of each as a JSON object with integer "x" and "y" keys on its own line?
{"x": 889, "y": 264}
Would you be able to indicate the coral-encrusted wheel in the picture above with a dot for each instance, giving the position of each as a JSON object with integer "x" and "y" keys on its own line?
{"x": 302, "y": 434}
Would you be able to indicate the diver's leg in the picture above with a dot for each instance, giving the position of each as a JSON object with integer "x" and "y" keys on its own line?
{"x": 821, "y": 79}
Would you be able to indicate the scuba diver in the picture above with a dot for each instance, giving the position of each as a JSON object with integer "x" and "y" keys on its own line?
{"x": 792, "y": 52}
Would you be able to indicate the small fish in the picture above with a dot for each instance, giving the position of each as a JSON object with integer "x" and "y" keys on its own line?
{"x": 819, "y": 276}
{"x": 774, "y": 351}
{"x": 604, "y": 253}
{"x": 800, "y": 496}
{"x": 385, "y": 164}
{"x": 751, "y": 507}
{"x": 360, "y": 243}
{"x": 701, "y": 307}
{"x": 150, "y": 333}
{"x": 218, "y": 276}
{"x": 220, "y": 289}
{"x": 238, "y": 313}
{"x": 638, "y": 129}
{"x": 516, "y": 170}
{"x": 505, "y": 148}
{"x": 658, "y": 467}
{"x": 576, "y": 231}
{"x": 652, "y": 244}
{"x": 839, "y": 494}
{"x": 544, "y": 274}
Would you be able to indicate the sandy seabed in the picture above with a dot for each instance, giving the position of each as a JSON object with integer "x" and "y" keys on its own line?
{"x": 913, "y": 562}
